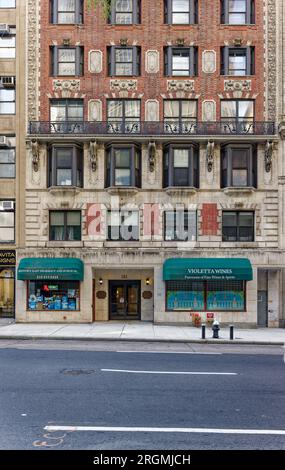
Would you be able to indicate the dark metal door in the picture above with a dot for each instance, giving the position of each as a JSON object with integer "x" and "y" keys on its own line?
{"x": 124, "y": 300}
{"x": 262, "y": 309}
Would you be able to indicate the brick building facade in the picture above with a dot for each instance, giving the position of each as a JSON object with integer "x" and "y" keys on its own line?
{"x": 153, "y": 163}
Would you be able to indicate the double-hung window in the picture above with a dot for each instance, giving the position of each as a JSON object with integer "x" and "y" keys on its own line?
{"x": 7, "y": 162}
{"x": 180, "y": 61}
{"x": 66, "y": 166}
{"x": 66, "y": 11}
{"x": 7, "y": 101}
{"x": 123, "y": 225}
{"x": 125, "y": 12}
{"x": 7, "y": 3}
{"x": 124, "y": 116}
{"x": 124, "y": 61}
{"x": 237, "y": 116}
{"x": 180, "y": 116}
{"x": 181, "y": 166}
{"x": 123, "y": 164}
{"x": 238, "y": 226}
{"x": 7, "y": 221}
{"x": 66, "y": 110}
{"x": 237, "y": 61}
{"x": 65, "y": 225}
{"x": 180, "y": 225}
{"x": 239, "y": 165}
{"x": 181, "y": 11}
{"x": 67, "y": 61}
{"x": 237, "y": 12}
{"x": 8, "y": 46}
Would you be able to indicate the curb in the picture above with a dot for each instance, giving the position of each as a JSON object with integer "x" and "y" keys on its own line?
{"x": 144, "y": 340}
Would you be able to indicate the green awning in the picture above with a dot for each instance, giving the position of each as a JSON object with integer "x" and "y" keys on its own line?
{"x": 65, "y": 269}
{"x": 177, "y": 269}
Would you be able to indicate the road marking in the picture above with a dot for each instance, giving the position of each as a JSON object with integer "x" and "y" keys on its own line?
{"x": 172, "y": 352}
{"x": 166, "y": 372}
{"x": 278, "y": 432}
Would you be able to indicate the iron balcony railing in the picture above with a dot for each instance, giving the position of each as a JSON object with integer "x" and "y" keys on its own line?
{"x": 143, "y": 128}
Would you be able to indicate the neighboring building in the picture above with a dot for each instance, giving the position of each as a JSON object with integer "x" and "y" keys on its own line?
{"x": 152, "y": 174}
{"x": 12, "y": 146}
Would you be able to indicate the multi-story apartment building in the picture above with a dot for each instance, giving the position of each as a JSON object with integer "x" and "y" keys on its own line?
{"x": 153, "y": 165}
{"x": 12, "y": 146}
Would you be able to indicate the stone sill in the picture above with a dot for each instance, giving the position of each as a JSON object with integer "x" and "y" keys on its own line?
{"x": 180, "y": 190}
{"x": 62, "y": 190}
{"x": 64, "y": 244}
{"x": 239, "y": 191}
{"x": 122, "y": 190}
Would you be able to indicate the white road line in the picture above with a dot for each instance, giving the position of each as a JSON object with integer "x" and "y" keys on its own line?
{"x": 166, "y": 372}
{"x": 278, "y": 432}
{"x": 172, "y": 352}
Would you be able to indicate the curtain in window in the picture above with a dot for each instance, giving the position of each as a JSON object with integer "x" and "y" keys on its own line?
{"x": 246, "y": 109}
{"x": 228, "y": 109}
{"x": 115, "y": 109}
{"x": 132, "y": 109}
{"x": 57, "y": 225}
{"x": 189, "y": 109}
{"x": 171, "y": 109}
{"x": 66, "y": 5}
{"x": 124, "y": 5}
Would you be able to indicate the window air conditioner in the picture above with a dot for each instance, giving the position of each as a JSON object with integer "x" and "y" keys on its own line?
{"x": 7, "y": 205}
{"x": 4, "y": 28}
{"x": 7, "y": 82}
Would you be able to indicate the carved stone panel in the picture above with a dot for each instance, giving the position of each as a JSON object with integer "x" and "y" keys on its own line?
{"x": 180, "y": 85}
{"x": 66, "y": 87}
{"x": 209, "y": 61}
{"x": 95, "y": 62}
{"x": 152, "y": 61}
{"x": 95, "y": 110}
{"x": 209, "y": 110}
{"x": 152, "y": 110}
{"x": 237, "y": 85}
{"x": 123, "y": 85}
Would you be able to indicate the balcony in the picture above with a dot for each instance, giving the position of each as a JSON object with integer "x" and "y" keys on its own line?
{"x": 154, "y": 129}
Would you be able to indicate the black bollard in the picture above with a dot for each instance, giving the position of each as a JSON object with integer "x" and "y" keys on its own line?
{"x": 231, "y": 331}
{"x": 203, "y": 331}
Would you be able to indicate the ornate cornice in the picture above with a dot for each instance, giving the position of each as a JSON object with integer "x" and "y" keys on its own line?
{"x": 32, "y": 59}
{"x": 271, "y": 72}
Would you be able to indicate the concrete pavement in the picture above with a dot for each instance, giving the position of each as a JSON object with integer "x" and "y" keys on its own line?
{"x": 136, "y": 331}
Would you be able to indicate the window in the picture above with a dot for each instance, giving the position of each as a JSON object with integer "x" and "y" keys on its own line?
{"x": 180, "y": 61}
{"x": 7, "y": 292}
{"x": 65, "y": 225}
{"x": 125, "y": 12}
{"x": 180, "y": 116}
{"x": 66, "y": 110}
{"x": 7, "y": 47}
{"x": 7, "y": 222}
{"x": 67, "y": 61}
{"x": 239, "y": 166}
{"x": 238, "y": 226}
{"x": 7, "y": 3}
{"x": 123, "y": 225}
{"x": 53, "y": 295}
{"x": 7, "y": 162}
{"x": 237, "y": 12}
{"x": 237, "y": 115}
{"x": 205, "y": 295}
{"x": 66, "y": 166}
{"x": 124, "y": 61}
{"x": 180, "y": 225}
{"x": 181, "y": 11}
{"x": 124, "y": 116}
{"x": 181, "y": 166}
{"x": 237, "y": 61}
{"x": 66, "y": 11}
{"x": 7, "y": 101}
{"x": 123, "y": 166}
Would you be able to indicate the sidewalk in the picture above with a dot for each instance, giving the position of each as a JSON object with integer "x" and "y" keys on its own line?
{"x": 136, "y": 331}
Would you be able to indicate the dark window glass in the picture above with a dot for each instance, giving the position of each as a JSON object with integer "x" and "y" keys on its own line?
{"x": 238, "y": 226}
{"x": 123, "y": 225}
{"x": 239, "y": 166}
{"x": 181, "y": 166}
{"x": 123, "y": 166}
{"x": 66, "y": 166}
{"x": 65, "y": 225}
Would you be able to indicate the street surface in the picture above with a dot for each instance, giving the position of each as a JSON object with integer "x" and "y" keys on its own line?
{"x": 108, "y": 395}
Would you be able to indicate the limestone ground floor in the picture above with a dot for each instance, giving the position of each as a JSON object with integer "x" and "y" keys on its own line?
{"x": 239, "y": 287}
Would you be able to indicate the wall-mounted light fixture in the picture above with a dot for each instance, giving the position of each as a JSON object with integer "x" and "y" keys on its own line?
{"x": 147, "y": 281}
{"x": 100, "y": 281}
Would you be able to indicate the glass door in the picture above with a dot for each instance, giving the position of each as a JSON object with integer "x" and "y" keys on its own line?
{"x": 124, "y": 300}
{"x": 7, "y": 293}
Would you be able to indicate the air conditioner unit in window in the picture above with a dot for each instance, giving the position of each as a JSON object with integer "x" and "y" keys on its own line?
{"x": 3, "y": 140}
{"x": 7, "y": 82}
{"x": 4, "y": 28}
{"x": 7, "y": 205}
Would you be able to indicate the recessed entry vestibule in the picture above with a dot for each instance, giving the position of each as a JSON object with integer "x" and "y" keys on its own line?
{"x": 123, "y": 294}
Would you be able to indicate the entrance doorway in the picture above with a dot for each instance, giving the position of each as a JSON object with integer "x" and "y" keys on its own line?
{"x": 262, "y": 309}
{"x": 7, "y": 292}
{"x": 124, "y": 301}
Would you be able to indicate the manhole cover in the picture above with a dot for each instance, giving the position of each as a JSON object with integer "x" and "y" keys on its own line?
{"x": 77, "y": 371}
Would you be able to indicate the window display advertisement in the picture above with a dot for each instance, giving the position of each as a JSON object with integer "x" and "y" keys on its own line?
{"x": 44, "y": 296}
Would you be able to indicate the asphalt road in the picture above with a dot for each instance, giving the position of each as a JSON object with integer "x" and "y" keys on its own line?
{"x": 144, "y": 390}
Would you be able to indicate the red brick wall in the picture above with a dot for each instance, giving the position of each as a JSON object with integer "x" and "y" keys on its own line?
{"x": 209, "y": 215}
{"x": 209, "y": 34}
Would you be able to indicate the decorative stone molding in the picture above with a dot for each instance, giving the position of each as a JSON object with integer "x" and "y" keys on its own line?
{"x": 95, "y": 61}
{"x": 269, "y": 147}
{"x": 209, "y": 110}
{"x": 180, "y": 85}
{"x": 95, "y": 110}
{"x": 210, "y": 153}
{"x": 237, "y": 85}
{"x": 33, "y": 31}
{"x": 271, "y": 48}
{"x": 152, "y": 61}
{"x": 239, "y": 192}
{"x": 123, "y": 85}
{"x": 66, "y": 87}
{"x": 152, "y": 110}
{"x": 209, "y": 61}
{"x": 93, "y": 153}
{"x": 151, "y": 156}
{"x": 35, "y": 154}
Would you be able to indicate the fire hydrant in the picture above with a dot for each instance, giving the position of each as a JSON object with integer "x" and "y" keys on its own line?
{"x": 216, "y": 329}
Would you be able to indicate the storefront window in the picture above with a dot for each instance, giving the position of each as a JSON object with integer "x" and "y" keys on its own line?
{"x": 53, "y": 295}
{"x": 205, "y": 295}
{"x": 7, "y": 292}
